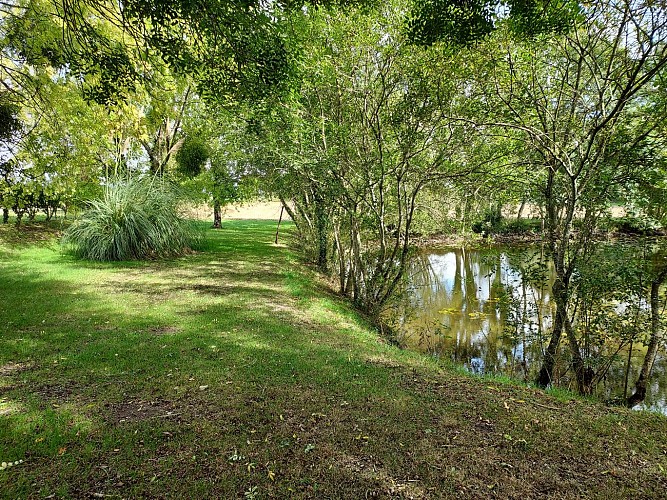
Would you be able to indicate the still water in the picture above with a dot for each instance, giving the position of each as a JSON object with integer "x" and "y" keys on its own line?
{"x": 488, "y": 311}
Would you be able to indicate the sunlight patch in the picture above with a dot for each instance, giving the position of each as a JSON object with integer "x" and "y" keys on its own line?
{"x": 12, "y": 368}
{"x": 9, "y": 407}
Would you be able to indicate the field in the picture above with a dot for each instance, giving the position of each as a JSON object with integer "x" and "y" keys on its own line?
{"x": 233, "y": 372}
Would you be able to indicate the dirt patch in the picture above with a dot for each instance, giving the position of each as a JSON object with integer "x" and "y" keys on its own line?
{"x": 106, "y": 327}
{"x": 384, "y": 483}
{"x": 6, "y": 389}
{"x": 284, "y": 308}
{"x": 56, "y": 393}
{"x": 164, "y": 330}
{"x": 139, "y": 410}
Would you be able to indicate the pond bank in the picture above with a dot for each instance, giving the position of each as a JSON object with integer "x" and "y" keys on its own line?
{"x": 478, "y": 241}
{"x": 230, "y": 373}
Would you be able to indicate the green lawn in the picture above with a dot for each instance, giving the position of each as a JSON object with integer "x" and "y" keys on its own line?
{"x": 231, "y": 373}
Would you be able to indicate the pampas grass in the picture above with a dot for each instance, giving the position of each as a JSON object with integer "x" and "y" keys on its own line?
{"x": 134, "y": 219}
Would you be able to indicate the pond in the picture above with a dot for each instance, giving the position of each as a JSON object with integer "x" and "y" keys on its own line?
{"x": 482, "y": 310}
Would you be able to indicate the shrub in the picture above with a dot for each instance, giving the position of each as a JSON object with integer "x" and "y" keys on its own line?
{"x": 192, "y": 157}
{"x": 633, "y": 225}
{"x": 489, "y": 224}
{"x": 521, "y": 226}
{"x": 134, "y": 219}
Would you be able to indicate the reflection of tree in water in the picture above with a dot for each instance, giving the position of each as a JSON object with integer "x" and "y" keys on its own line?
{"x": 474, "y": 307}
{"x": 491, "y": 312}
{"x": 612, "y": 387}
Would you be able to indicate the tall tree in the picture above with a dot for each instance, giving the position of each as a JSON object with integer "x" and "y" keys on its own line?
{"x": 365, "y": 137}
{"x": 581, "y": 101}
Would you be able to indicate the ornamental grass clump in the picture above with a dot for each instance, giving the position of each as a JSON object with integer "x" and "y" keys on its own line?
{"x": 134, "y": 219}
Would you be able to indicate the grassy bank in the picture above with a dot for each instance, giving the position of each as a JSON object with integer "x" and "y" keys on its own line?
{"x": 230, "y": 374}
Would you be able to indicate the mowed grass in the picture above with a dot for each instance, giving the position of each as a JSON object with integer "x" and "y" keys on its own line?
{"x": 230, "y": 373}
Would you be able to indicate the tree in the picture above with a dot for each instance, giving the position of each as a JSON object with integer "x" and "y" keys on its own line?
{"x": 581, "y": 101}
{"x": 658, "y": 275}
{"x": 71, "y": 147}
{"x": 161, "y": 133}
{"x": 361, "y": 143}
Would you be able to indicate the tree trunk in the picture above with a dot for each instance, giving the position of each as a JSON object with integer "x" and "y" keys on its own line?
{"x": 289, "y": 211}
{"x": 342, "y": 274}
{"x": 546, "y": 374}
{"x": 521, "y": 207}
{"x": 584, "y": 376}
{"x": 280, "y": 219}
{"x": 217, "y": 215}
{"x": 656, "y": 336}
{"x": 322, "y": 236}
{"x": 5, "y": 215}
{"x": 357, "y": 268}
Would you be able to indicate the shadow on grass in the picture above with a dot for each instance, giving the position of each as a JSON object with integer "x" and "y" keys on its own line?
{"x": 202, "y": 376}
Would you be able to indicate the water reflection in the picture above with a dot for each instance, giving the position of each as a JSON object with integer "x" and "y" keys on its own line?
{"x": 491, "y": 311}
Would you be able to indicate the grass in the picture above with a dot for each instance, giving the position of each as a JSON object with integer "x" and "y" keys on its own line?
{"x": 231, "y": 373}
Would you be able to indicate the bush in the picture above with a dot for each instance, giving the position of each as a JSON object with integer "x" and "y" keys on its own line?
{"x": 521, "y": 227}
{"x": 489, "y": 224}
{"x": 135, "y": 219}
{"x": 508, "y": 227}
{"x": 632, "y": 225}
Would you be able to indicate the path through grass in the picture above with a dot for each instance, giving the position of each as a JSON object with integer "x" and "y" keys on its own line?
{"x": 229, "y": 374}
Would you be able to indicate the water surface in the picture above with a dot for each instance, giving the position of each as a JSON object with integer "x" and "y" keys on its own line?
{"x": 491, "y": 311}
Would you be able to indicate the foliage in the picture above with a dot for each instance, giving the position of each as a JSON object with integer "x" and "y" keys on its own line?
{"x": 363, "y": 141}
{"x": 135, "y": 219}
{"x": 531, "y": 18}
{"x": 192, "y": 157}
{"x": 458, "y": 21}
{"x": 634, "y": 225}
{"x": 464, "y": 22}
{"x": 9, "y": 122}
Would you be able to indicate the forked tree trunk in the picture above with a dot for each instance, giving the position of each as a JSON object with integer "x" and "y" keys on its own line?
{"x": 562, "y": 323}
{"x": 584, "y": 376}
{"x": 19, "y": 216}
